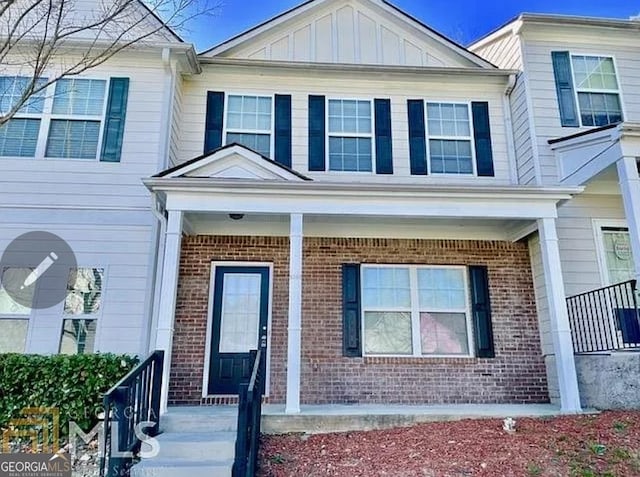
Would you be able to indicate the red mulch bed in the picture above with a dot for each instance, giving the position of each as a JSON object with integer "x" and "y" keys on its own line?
{"x": 604, "y": 445}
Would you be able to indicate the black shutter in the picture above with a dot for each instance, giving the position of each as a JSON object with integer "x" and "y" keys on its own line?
{"x": 564, "y": 88}
{"x": 417, "y": 140}
{"x": 283, "y": 129}
{"x": 214, "y": 121}
{"x": 481, "y": 310}
{"x": 114, "y": 120}
{"x": 351, "y": 346}
{"x": 482, "y": 138}
{"x": 317, "y": 133}
{"x": 384, "y": 144}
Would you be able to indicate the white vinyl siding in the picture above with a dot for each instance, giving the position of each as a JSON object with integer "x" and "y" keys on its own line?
{"x": 350, "y": 135}
{"x": 415, "y": 310}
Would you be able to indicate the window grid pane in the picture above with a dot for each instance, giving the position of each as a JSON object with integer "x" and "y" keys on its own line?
{"x": 444, "y": 333}
{"x": 450, "y": 157}
{"x": 594, "y": 72}
{"x": 73, "y": 139}
{"x": 441, "y": 289}
{"x": 388, "y": 333}
{"x": 246, "y": 114}
{"x": 260, "y": 143}
{"x": 79, "y": 97}
{"x": 599, "y": 109}
{"x": 350, "y": 154}
{"x": 78, "y": 336}
{"x": 12, "y": 89}
{"x": 13, "y": 278}
{"x": 448, "y": 120}
{"x": 19, "y": 137}
{"x": 350, "y": 116}
{"x": 84, "y": 291}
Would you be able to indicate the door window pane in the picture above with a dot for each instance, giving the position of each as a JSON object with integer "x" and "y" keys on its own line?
{"x": 387, "y": 333}
{"x": 13, "y": 335}
{"x": 619, "y": 260}
{"x": 240, "y": 318}
{"x": 78, "y": 336}
{"x": 13, "y": 278}
{"x": 84, "y": 291}
{"x": 444, "y": 333}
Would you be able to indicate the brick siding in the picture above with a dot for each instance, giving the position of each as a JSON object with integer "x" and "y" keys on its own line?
{"x": 516, "y": 375}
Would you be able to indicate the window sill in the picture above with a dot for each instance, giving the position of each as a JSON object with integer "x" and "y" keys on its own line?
{"x": 432, "y": 359}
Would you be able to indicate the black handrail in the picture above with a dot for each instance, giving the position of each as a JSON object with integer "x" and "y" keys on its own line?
{"x": 249, "y": 415}
{"x": 605, "y": 319}
{"x": 127, "y": 405}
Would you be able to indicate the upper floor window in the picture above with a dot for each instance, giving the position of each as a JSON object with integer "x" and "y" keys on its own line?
{"x": 597, "y": 89}
{"x": 65, "y": 120}
{"x": 250, "y": 122}
{"x": 350, "y": 135}
{"x": 450, "y": 138}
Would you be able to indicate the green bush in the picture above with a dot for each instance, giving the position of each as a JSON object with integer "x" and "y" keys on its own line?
{"x": 73, "y": 384}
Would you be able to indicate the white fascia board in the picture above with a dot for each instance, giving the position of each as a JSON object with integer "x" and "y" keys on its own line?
{"x": 370, "y": 200}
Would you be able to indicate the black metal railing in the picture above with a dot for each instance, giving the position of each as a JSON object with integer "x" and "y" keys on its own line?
{"x": 131, "y": 407}
{"x": 249, "y": 415}
{"x": 605, "y": 319}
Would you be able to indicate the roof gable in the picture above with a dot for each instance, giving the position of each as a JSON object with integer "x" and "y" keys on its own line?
{"x": 233, "y": 162}
{"x": 349, "y": 32}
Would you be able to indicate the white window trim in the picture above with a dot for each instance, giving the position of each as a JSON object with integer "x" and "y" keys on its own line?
{"x": 271, "y": 132}
{"x": 371, "y": 135}
{"x": 207, "y": 353}
{"x": 415, "y": 312}
{"x": 601, "y": 253}
{"x": 577, "y": 90}
{"x": 471, "y": 139}
{"x": 47, "y": 115}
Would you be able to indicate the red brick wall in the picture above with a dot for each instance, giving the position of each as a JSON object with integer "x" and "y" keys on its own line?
{"x": 516, "y": 375}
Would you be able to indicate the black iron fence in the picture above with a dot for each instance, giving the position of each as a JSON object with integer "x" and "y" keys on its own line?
{"x": 249, "y": 415}
{"x": 605, "y": 319}
{"x": 131, "y": 410}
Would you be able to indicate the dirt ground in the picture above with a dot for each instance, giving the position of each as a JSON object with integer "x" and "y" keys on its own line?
{"x": 604, "y": 445}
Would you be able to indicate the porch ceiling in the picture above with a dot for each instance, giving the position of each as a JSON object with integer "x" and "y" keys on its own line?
{"x": 358, "y": 226}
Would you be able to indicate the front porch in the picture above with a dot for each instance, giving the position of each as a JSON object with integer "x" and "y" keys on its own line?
{"x": 324, "y": 334}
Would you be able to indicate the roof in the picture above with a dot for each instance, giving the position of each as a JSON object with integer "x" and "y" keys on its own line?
{"x": 554, "y": 19}
{"x": 190, "y": 162}
{"x": 299, "y": 9}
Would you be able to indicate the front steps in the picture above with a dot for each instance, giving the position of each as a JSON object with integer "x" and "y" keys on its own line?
{"x": 195, "y": 442}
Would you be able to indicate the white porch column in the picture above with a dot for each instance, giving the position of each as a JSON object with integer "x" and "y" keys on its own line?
{"x": 295, "y": 315}
{"x": 559, "y": 317}
{"x": 168, "y": 293}
{"x": 630, "y": 188}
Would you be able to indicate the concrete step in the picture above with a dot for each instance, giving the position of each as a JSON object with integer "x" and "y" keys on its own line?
{"x": 218, "y": 446}
{"x": 200, "y": 419}
{"x": 172, "y": 467}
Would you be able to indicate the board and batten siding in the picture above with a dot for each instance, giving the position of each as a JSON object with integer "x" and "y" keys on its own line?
{"x": 504, "y": 52}
{"x": 350, "y": 32}
{"x": 301, "y": 84}
{"x": 537, "y": 50}
{"x": 122, "y": 250}
{"x": 91, "y": 183}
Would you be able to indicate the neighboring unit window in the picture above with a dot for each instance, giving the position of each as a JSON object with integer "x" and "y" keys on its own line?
{"x": 14, "y": 317}
{"x": 597, "y": 89}
{"x": 450, "y": 138}
{"x": 249, "y": 122}
{"x": 77, "y": 113}
{"x": 19, "y": 136}
{"x": 81, "y": 307}
{"x": 350, "y": 136}
{"x": 618, "y": 257}
{"x": 415, "y": 310}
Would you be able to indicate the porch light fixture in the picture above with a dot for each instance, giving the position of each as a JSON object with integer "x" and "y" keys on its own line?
{"x": 236, "y": 216}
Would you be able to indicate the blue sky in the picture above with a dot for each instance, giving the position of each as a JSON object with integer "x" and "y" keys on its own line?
{"x": 461, "y": 20}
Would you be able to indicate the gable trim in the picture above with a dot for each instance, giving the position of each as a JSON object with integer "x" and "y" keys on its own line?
{"x": 263, "y": 27}
{"x": 194, "y": 163}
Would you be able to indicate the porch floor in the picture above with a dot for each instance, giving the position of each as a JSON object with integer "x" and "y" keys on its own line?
{"x": 361, "y": 417}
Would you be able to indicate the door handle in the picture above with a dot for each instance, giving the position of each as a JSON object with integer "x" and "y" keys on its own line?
{"x": 263, "y": 341}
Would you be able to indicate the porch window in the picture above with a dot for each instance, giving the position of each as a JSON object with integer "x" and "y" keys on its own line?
{"x": 450, "y": 138}
{"x": 596, "y": 86}
{"x": 350, "y": 135}
{"x": 250, "y": 122}
{"x": 14, "y": 317}
{"x": 82, "y": 306}
{"x": 415, "y": 310}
